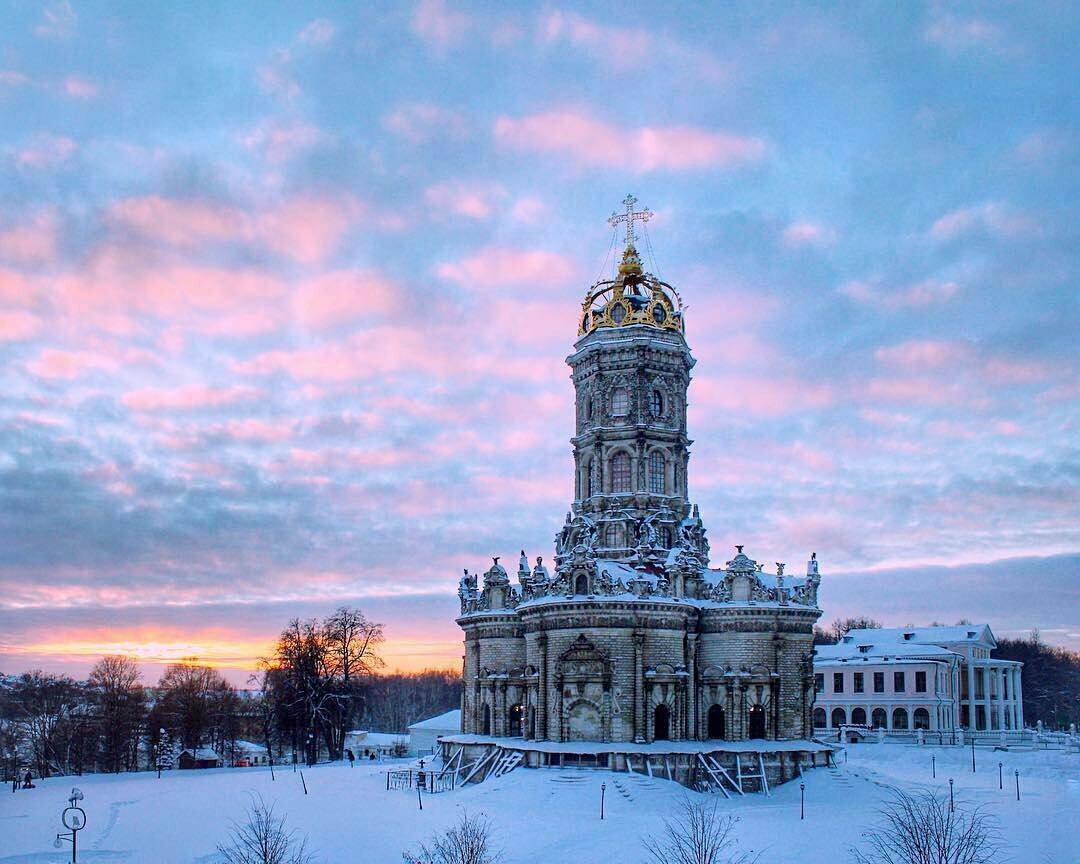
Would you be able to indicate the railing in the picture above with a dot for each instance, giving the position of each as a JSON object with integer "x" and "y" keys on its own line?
{"x": 425, "y": 779}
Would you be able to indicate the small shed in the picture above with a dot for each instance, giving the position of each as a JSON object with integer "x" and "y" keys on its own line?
{"x": 199, "y": 757}
{"x": 247, "y": 753}
{"x": 375, "y": 745}
{"x": 424, "y": 734}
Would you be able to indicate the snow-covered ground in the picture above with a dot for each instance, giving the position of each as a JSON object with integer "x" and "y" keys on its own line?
{"x": 539, "y": 815}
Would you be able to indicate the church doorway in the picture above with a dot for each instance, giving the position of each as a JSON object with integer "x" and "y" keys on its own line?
{"x": 517, "y": 713}
{"x": 485, "y": 722}
{"x": 715, "y": 722}
{"x": 757, "y": 721}
{"x": 662, "y": 723}
{"x": 583, "y": 723}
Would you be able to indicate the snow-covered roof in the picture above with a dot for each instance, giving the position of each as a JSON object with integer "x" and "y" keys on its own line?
{"x": 200, "y": 753}
{"x": 972, "y": 634}
{"x": 250, "y": 747}
{"x": 377, "y": 739}
{"x": 450, "y": 721}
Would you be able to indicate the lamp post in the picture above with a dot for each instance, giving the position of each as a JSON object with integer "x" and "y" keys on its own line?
{"x": 74, "y": 819}
{"x": 603, "y": 789}
{"x": 802, "y": 801}
{"x": 952, "y": 806}
{"x": 1000, "y": 786}
{"x": 933, "y": 767}
{"x": 1017, "y": 773}
{"x": 973, "y": 753}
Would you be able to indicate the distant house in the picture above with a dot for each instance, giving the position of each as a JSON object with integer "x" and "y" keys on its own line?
{"x": 424, "y": 734}
{"x": 366, "y": 745}
{"x": 199, "y": 757}
{"x": 248, "y": 753}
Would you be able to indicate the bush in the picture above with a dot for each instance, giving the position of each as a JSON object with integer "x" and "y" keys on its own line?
{"x": 264, "y": 839}
{"x": 468, "y": 842}
{"x": 697, "y": 835}
{"x": 919, "y": 828}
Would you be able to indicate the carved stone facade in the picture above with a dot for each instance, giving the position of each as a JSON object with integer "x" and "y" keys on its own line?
{"x": 630, "y": 636}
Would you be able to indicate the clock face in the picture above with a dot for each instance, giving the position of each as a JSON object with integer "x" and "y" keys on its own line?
{"x": 659, "y": 313}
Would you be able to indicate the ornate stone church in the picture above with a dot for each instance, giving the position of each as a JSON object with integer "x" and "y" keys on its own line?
{"x": 629, "y": 635}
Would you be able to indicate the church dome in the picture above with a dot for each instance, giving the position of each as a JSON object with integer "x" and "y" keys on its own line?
{"x": 634, "y": 297}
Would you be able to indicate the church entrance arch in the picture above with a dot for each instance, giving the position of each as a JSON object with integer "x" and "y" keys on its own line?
{"x": 517, "y": 713}
{"x": 662, "y": 723}
{"x": 715, "y": 722}
{"x": 757, "y": 722}
{"x": 583, "y": 722}
{"x": 485, "y": 721}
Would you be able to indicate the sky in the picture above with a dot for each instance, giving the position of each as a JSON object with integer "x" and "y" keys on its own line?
{"x": 286, "y": 292}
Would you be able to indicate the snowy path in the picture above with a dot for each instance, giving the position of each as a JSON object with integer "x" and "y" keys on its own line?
{"x": 539, "y": 815}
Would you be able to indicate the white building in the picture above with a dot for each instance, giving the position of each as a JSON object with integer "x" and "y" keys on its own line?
{"x": 900, "y": 678}
{"x": 424, "y": 734}
{"x": 366, "y": 745}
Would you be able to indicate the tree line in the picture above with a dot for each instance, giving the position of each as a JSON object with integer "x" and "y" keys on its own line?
{"x": 322, "y": 680}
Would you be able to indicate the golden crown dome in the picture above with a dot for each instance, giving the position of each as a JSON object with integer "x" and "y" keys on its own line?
{"x": 634, "y": 297}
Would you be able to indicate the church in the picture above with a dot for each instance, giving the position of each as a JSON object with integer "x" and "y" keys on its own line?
{"x": 628, "y": 635}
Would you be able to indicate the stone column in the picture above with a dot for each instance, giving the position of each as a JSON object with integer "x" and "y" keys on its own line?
{"x": 971, "y": 693}
{"x": 558, "y": 736}
{"x": 999, "y": 678}
{"x": 691, "y": 669}
{"x": 542, "y": 689}
{"x": 639, "y": 688}
{"x": 1019, "y": 701}
{"x": 501, "y": 719}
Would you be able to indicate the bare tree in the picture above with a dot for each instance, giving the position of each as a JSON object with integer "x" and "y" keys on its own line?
{"x": 698, "y": 835}
{"x": 120, "y": 702}
{"x": 263, "y": 839}
{"x": 921, "y": 828}
{"x": 467, "y": 842}
{"x": 197, "y": 705}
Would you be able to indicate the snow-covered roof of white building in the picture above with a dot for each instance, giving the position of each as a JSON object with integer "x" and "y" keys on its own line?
{"x": 451, "y": 721}
{"x": 904, "y": 643}
{"x": 201, "y": 753}
{"x": 363, "y": 738}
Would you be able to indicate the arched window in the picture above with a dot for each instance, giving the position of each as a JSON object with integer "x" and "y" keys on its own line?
{"x": 899, "y": 718}
{"x": 922, "y": 718}
{"x": 485, "y": 721}
{"x": 839, "y": 717}
{"x": 665, "y": 536}
{"x": 858, "y": 716}
{"x": 581, "y": 584}
{"x": 616, "y": 535}
{"x": 656, "y": 403}
{"x": 588, "y": 408}
{"x": 878, "y": 718}
{"x": 661, "y": 723}
{"x": 819, "y": 718}
{"x": 656, "y": 472}
{"x": 715, "y": 722}
{"x": 587, "y": 484}
{"x": 620, "y": 472}
{"x": 620, "y": 402}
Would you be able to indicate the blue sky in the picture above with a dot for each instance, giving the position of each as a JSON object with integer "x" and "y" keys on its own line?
{"x": 285, "y": 293}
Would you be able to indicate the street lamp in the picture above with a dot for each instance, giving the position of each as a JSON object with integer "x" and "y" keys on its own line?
{"x": 802, "y": 801}
{"x": 952, "y": 806}
{"x": 603, "y": 789}
{"x": 74, "y": 819}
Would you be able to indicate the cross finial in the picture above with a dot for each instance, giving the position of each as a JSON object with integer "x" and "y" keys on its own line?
{"x": 629, "y": 217}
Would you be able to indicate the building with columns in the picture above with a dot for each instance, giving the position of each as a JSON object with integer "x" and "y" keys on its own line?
{"x": 940, "y": 679}
{"x": 630, "y": 636}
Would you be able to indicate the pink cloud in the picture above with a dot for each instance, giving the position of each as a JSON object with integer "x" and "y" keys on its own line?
{"x": 759, "y": 395}
{"x": 929, "y": 292}
{"x": 11, "y": 79}
{"x": 806, "y": 234}
{"x": 992, "y": 218}
{"x": 280, "y": 140}
{"x": 46, "y": 151}
{"x": 307, "y": 229}
{"x": 67, "y": 365}
{"x": 343, "y": 296}
{"x": 476, "y": 200}
{"x": 276, "y": 76}
{"x": 439, "y": 26}
{"x": 495, "y": 266}
{"x": 594, "y": 143}
{"x": 178, "y": 222}
{"x": 33, "y": 243}
{"x": 58, "y": 21}
{"x": 251, "y": 429}
{"x": 956, "y": 33}
{"x": 78, "y": 87}
{"x": 188, "y": 398}
{"x": 16, "y": 326}
{"x": 922, "y": 354}
{"x": 421, "y": 122}
{"x": 318, "y": 32}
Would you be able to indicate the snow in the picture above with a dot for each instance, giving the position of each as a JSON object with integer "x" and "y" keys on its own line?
{"x": 451, "y": 720}
{"x": 538, "y": 814}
